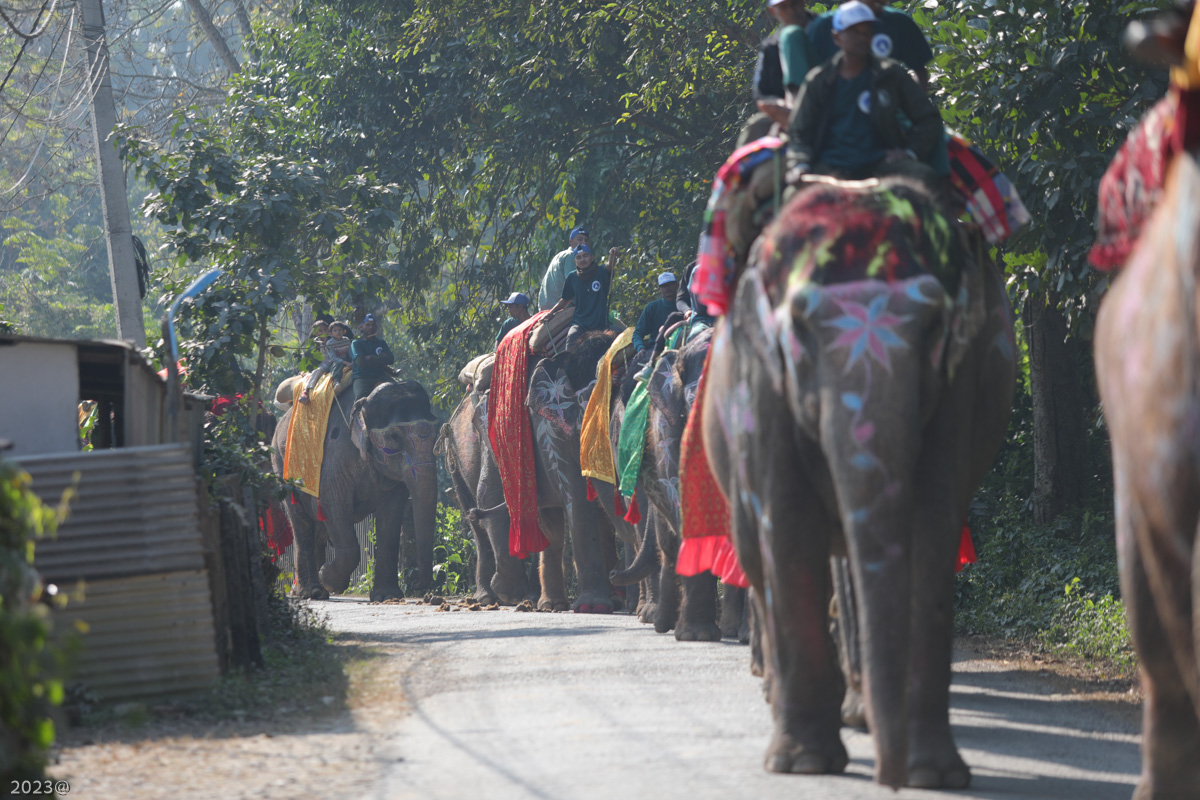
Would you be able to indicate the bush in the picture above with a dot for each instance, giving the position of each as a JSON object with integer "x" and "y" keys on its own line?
{"x": 31, "y": 664}
{"x": 1089, "y": 627}
{"x": 453, "y": 552}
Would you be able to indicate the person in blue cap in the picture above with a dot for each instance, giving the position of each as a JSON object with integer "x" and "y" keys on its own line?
{"x": 656, "y": 313}
{"x": 587, "y": 288}
{"x": 560, "y": 267}
{"x": 371, "y": 358}
{"x": 518, "y": 311}
{"x": 860, "y": 116}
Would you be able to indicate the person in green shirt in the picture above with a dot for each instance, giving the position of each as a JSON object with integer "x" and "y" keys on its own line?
{"x": 562, "y": 265}
{"x": 518, "y": 311}
{"x": 371, "y": 358}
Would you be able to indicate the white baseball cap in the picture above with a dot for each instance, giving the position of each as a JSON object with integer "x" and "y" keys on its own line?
{"x": 850, "y": 14}
{"x": 773, "y": 3}
{"x": 665, "y": 278}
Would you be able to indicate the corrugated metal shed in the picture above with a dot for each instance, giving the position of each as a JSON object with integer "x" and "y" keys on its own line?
{"x": 133, "y": 538}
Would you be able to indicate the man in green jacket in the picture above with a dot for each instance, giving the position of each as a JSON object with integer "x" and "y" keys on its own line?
{"x": 848, "y": 121}
{"x": 518, "y": 311}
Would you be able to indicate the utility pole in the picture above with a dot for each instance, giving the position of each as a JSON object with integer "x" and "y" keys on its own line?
{"x": 117, "y": 227}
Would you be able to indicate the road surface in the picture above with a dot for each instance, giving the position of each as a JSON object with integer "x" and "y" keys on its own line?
{"x": 574, "y": 707}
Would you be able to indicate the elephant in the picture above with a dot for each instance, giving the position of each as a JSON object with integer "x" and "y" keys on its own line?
{"x": 559, "y": 388}
{"x": 556, "y": 409}
{"x": 499, "y": 576}
{"x": 687, "y": 604}
{"x": 859, "y": 389}
{"x": 1147, "y": 352}
{"x": 378, "y": 456}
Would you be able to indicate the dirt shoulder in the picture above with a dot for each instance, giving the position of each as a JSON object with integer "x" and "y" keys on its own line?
{"x": 1088, "y": 680}
{"x": 324, "y": 742}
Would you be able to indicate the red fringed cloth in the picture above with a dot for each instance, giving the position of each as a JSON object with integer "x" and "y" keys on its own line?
{"x": 511, "y": 435}
{"x": 706, "y": 526}
{"x": 966, "y": 550}
{"x": 1133, "y": 184}
{"x": 276, "y": 528}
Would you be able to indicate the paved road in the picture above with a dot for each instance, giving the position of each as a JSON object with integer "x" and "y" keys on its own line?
{"x": 572, "y": 707}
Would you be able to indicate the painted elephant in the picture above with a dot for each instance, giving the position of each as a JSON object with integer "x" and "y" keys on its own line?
{"x": 859, "y": 389}
{"x": 1147, "y": 360}
{"x": 559, "y": 388}
{"x": 556, "y": 409}
{"x": 688, "y": 604}
{"x": 378, "y": 457}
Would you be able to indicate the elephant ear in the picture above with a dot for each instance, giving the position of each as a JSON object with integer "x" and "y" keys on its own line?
{"x": 666, "y": 386}
{"x": 358, "y": 427}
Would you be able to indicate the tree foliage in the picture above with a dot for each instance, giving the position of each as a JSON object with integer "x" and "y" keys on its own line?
{"x": 426, "y": 159}
{"x": 1046, "y": 89}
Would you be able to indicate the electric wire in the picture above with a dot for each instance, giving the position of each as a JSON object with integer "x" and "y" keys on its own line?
{"x": 34, "y": 34}
{"x": 21, "y": 52}
{"x": 53, "y": 102}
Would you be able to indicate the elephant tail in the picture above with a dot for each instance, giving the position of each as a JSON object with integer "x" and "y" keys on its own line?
{"x": 474, "y": 515}
{"x": 644, "y": 563}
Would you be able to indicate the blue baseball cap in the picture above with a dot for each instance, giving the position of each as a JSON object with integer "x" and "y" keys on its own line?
{"x": 516, "y": 299}
{"x": 581, "y": 248}
{"x": 577, "y": 232}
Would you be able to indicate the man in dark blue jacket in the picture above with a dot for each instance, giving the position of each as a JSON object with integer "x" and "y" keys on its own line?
{"x": 656, "y": 313}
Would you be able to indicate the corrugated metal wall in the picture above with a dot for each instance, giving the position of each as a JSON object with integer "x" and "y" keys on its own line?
{"x": 133, "y": 539}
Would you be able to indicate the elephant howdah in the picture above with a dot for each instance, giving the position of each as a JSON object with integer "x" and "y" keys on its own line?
{"x": 857, "y": 393}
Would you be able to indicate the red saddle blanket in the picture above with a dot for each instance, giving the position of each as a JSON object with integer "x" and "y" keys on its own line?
{"x": 511, "y": 434}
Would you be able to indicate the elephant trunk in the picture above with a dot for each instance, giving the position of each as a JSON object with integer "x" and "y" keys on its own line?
{"x": 877, "y": 510}
{"x": 422, "y": 487}
{"x": 643, "y": 564}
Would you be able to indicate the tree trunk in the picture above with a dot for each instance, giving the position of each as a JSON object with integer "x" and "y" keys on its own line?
{"x": 214, "y": 35}
{"x": 1059, "y": 407}
{"x": 243, "y": 18}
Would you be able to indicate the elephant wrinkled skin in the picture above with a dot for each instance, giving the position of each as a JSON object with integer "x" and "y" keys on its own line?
{"x": 857, "y": 417}
{"x": 375, "y": 466}
{"x": 1147, "y": 362}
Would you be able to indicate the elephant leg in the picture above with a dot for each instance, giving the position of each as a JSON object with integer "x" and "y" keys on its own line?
{"x": 554, "y": 590}
{"x": 607, "y": 533}
{"x": 485, "y": 567}
{"x": 595, "y": 589}
{"x": 844, "y": 613}
{"x": 304, "y": 529}
{"x": 390, "y": 518}
{"x": 335, "y": 574}
{"x": 733, "y": 608}
{"x": 806, "y": 689}
{"x": 698, "y": 611}
{"x": 1170, "y": 729}
{"x": 666, "y": 613}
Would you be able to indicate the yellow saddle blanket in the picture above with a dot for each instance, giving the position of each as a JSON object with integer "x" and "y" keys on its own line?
{"x": 595, "y": 447}
{"x": 306, "y": 437}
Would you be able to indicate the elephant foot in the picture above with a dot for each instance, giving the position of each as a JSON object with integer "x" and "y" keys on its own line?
{"x": 929, "y": 778}
{"x": 646, "y": 611}
{"x": 420, "y": 588}
{"x": 1149, "y": 788}
{"x": 618, "y": 600}
{"x": 786, "y": 755}
{"x": 310, "y": 593}
{"x": 698, "y": 632}
{"x": 854, "y": 710}
{"x": 381, "y": 593}
{"x": 550, "y": 604}
{"x": 485, "y": 597}
{"x": 590, "y": 603}
{"x": 511, "y": 590}
{"x": 334, "y": 582}
{"x": 937, "y": 765}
